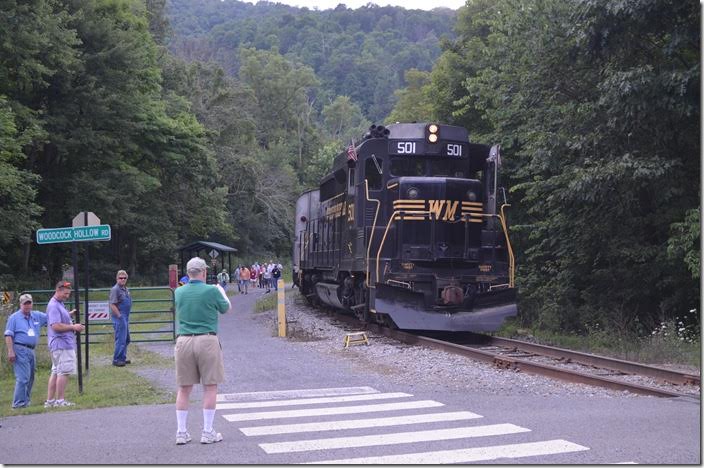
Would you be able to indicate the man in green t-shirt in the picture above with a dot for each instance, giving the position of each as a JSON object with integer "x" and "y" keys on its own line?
{"x": 198, "y": 353}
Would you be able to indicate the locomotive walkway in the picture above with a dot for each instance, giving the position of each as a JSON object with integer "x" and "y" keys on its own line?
{"x": 282, "y": 404}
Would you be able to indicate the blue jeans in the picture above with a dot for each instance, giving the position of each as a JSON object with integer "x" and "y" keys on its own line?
{"x": 122, "y": 338}
{"x": 24, "y": 375}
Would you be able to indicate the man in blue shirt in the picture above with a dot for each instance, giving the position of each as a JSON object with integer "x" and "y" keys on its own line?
{"x": 121, "y": 305}
{"x": 21, "y": 337}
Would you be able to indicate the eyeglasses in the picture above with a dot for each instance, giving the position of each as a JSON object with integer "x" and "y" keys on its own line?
{"x": 27, "y": 302}
{"x": 122, "y": 277}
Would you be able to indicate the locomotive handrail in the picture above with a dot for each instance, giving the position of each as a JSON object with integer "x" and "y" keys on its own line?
{"x": 392, "y": 218}
{"x": 511, "y": 260}
{"x": 369, "y": 246}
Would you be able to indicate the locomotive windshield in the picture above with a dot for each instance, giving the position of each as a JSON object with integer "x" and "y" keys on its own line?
{"x": 418, "y": 167}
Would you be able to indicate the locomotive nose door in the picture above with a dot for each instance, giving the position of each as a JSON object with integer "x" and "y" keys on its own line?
{"x": 455, "y": 217}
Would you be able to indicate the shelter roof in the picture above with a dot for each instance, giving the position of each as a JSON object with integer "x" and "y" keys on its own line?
{"x": 207, "y": 245}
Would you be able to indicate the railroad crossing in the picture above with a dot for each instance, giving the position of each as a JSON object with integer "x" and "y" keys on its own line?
{"x": 286, "y": 400}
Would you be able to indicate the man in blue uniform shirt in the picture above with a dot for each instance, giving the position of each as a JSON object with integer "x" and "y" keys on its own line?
{"x": 21, "y": 337}
{"x": 121, "y": 305}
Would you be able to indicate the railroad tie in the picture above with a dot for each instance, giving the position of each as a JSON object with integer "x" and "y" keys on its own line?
{"x": 356, "y": 338}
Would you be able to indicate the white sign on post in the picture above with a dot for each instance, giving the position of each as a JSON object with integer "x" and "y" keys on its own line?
{"x": 79, "y": 219}
{"x": 98, "y": 310}
{"x": 213, "y": 253}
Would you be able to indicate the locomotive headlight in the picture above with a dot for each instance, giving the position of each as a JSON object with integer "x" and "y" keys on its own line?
{"x": 412, "y": 192}
{"x": 433, "y": 131}
{"x": 471, "y": 196}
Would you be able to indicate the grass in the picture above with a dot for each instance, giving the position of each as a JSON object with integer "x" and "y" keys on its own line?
{"x": 105, "y": 385}
{"x": 267, "y": 302}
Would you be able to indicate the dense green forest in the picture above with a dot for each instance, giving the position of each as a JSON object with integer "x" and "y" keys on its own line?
{"x": 360, "y": 53}
{"x": 180, "y": 120}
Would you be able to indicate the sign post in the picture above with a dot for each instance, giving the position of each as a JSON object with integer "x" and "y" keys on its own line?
{"x": 81, "y": 231}
{"x": 77, "y": 306}
{"x": 85, "y": 219}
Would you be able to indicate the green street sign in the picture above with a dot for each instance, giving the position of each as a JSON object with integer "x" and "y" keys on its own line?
{"x": 100, "y": 232}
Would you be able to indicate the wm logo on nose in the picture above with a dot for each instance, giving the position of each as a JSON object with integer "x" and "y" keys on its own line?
{"x": 436, "y": 207}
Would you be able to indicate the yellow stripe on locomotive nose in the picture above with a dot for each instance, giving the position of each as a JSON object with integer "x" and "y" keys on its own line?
{"x": 409, "y": 202}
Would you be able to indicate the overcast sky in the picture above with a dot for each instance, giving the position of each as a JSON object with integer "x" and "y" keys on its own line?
{"x": 409, "y": 4}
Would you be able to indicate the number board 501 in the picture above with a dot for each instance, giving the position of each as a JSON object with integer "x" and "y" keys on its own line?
{"x": 454, "y": 149}
{"x": 406, "y": 147}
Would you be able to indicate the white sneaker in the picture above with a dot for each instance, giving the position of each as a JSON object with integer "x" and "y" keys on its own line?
{"x": 64, "y": 403}
{"x": 182, "y": 438}
{"x": 210, "y": 437}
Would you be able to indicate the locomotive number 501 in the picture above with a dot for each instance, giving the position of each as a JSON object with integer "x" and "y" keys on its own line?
{"x": 406, "y": 147}
{"x": 454, "y": 150}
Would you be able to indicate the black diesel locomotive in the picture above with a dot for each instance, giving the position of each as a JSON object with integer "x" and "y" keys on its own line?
{"x": 405, "y": 231}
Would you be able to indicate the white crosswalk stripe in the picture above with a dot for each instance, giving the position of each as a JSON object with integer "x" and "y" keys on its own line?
{"x": 312, "y": 401}
{"x": 476, "y": 454}
{"x": 329, "y": 411}
{"x": 391, "y": 439}
{"x": 358, "y": 423}
{"x": 333, "y": 407}
{"x": 303, "y": 393}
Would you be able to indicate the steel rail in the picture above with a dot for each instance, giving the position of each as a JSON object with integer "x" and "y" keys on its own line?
{"x": 521, "y": 364}
{"x": 666, "y": 375}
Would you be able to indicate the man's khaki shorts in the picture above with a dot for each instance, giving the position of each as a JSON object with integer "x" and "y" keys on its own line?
{"x": 199, "y": 360}
{"x": 63, "y": 362}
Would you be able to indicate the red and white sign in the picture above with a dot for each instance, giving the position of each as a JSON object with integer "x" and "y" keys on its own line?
{"x": 98, "y": 310}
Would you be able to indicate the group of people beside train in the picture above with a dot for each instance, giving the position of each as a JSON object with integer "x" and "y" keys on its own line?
{"x": 262, "y": 276}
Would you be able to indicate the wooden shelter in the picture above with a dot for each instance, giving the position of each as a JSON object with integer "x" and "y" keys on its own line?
{"x": 218, "y": 256}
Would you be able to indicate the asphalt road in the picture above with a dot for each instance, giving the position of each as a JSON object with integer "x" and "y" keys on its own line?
{"x": 264, "y": 419}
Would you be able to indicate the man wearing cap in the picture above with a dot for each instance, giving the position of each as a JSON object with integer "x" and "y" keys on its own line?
{"x": 120, "y": 305}
{"x": 62, "y": 345}
{"x": 223, "y": 278}
{"x": 21, "y": 337}
{"x": 198, "y": 353}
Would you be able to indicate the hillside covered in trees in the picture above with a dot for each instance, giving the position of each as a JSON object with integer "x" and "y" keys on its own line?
{"x": 361, "y": 53}
{"x": 179, "y": 120}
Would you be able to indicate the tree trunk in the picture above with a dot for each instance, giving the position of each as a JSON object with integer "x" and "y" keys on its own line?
{"x": 133, "y": 256}
{"x": 25, "y": 260}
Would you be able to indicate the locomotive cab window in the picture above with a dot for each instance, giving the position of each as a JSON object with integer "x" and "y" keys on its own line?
{"x": 449, "y": 168}
{"x": 401, "y": 167}
{"x": 327, "y": 189}
{"x": 373, "y": 174}
{"x": 335, "y": 185}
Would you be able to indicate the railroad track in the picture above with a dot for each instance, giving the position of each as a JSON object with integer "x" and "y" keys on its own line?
{"x": 558, "y": 363}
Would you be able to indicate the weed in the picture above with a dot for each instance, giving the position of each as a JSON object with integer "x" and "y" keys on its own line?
{"x": 266, "y": 303}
